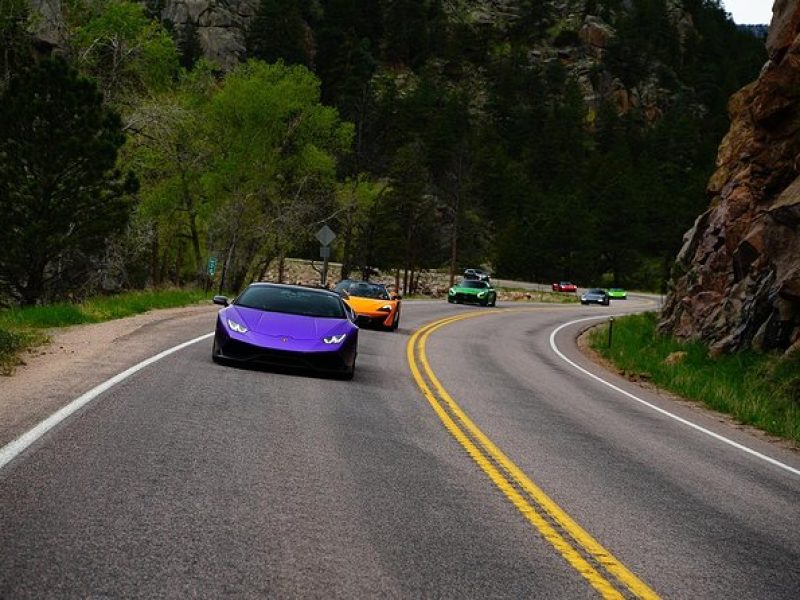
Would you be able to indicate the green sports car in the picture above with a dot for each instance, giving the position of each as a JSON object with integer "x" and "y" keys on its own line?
{"x": 617, "y": 294}
{"x": 472, "y": 290}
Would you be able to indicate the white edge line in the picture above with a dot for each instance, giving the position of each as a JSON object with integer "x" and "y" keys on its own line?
{"x": 13, "y": 449}
{"x": 666, "y": 413}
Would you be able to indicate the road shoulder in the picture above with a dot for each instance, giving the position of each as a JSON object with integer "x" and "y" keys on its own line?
{"x": 81, "y": 357}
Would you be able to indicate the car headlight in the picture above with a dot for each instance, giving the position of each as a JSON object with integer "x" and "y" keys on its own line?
{"x": 452, "y": 292}
{"x": 386, "y": 308}
{"x": 335, "y": 339}
{"x": 236, "y": 327}
{"x": 481, "y": 294}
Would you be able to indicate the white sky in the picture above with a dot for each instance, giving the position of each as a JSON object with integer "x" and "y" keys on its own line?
{"x": 749, "y": 12}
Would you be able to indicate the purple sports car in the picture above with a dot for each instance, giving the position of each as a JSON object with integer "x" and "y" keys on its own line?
{"x": 287, "y": 326}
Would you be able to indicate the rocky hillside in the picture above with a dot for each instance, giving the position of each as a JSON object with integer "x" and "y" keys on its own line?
{"x": 220, "y": 25}
{"x": 738, "y": 274}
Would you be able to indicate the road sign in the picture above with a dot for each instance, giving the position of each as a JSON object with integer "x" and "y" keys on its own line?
{"x": 212, "y": 265}
{"x": 325, "y": 235}
{"x": 325, "y": 252}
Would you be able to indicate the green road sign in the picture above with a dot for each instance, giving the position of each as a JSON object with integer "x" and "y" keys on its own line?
{"x": 212, "y": 265}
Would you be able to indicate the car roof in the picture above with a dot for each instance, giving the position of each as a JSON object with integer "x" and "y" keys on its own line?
{"x": 291, "y": 286}
{"x": 361, "y": 282}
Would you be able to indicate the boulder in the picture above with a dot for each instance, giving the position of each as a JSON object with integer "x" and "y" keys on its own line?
{"x": 221, "y": 25}
{"x": 736, "y": 282}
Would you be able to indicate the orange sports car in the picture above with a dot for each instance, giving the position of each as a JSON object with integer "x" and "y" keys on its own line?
{"x": 372, "y": 302}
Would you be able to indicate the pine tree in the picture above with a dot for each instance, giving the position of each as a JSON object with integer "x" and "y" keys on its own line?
{"x": 60, "y": 195}
{"x": 190, "y": 50}
{"x": 278, "y": 32}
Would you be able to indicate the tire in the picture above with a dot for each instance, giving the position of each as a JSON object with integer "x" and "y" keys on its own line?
{"x": 348, "y": 375}
{"x": 214, "y": 356}
{"x": 449, "y": 300}
{"x": 396, "y": 322}
{"x": 494, "y": 301}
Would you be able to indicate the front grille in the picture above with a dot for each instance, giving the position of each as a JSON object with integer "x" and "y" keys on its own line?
{"x": 323, "y": 361}
{"x": 367, "y": 321}
{"x": 459, "y": 297}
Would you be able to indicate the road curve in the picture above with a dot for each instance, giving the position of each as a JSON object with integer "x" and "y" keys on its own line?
{"x": 193, "y": 479}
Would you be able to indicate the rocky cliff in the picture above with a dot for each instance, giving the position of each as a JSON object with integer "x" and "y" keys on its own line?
{"x": 220, "y": 25}
{"x": 737, "y": 278}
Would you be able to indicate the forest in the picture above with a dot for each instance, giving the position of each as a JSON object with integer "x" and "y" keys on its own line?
{"x": 426, "y": 133}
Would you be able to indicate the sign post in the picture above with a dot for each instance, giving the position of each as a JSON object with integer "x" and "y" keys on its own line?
{"x": 211, "y": 269}
{"x": 325, "y": 236}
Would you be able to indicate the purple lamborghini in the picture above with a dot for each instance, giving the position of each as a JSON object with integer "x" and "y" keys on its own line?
{"x": 287, "y": 326}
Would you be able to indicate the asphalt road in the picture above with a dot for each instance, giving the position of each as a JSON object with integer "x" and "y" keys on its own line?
{"x": 194, "y": 479}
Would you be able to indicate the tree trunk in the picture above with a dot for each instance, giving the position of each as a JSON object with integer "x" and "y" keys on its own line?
{"x": 34, "y": 286}
{"x": 229, "y": 256}
{"x": 281, "y": 265}
{"x": 155, "y": 273}
{"x": 454, "y": 240}
{"x": 188, "y": 204}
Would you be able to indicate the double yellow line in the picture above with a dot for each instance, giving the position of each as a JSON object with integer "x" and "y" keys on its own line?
{"x": 597, "y": 565}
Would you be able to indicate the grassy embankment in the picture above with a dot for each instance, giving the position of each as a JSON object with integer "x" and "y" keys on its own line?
{"x": 24, "y": 328}
{"x": 761, "y": 390}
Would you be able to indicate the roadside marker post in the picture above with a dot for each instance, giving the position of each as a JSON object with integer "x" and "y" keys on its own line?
{"x": 610, "y": 330}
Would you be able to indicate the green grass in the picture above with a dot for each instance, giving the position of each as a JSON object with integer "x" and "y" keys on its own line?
{"x": 22, "y": 328}
{"x": 762, "y": 390}
{"x": 13, "y": 344}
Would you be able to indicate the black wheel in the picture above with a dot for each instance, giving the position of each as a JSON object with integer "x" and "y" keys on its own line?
{"x": 484, "y": 303}
{"x": 348, "y": 375}
{"x": 396, "y": 322}
{"x": 215, "y": 352}
{"x": 494, "y": 301}
{"x": 449, "y": 300}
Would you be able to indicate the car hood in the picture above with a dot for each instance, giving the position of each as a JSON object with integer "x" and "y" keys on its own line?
{"x": 469, "y": 290}
{"x": 284, "y": 325}
{"x": 360, "y": 304}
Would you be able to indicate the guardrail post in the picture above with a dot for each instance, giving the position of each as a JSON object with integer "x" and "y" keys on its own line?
{"x": 610, "y": 330}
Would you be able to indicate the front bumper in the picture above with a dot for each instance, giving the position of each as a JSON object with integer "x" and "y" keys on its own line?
{"x": 376, "y": 319}
{"x": 471, "y": 298}
{"x": 339, "y": 360}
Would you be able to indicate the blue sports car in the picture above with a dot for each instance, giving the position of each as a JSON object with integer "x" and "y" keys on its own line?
{"x": 287, "y": 326}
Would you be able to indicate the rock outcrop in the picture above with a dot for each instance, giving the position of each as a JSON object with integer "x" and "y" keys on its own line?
{"x": 737, "y": 277}
{"x": 220, "y": 25}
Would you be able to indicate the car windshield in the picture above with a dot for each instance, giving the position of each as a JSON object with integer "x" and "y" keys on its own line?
{"x": 468, "y": 283}
{"x": 566, "y": 283}
{"x": 363, "y": 289}
{"x": 292, "y": 301}
{"x": 596, "y": 291}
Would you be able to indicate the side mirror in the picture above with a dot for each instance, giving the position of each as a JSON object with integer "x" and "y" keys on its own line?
{"x": 396, "y": 297}
{"x": 221, "y": 300}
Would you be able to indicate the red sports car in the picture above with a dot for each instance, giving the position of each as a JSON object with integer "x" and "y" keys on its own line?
{"x": 565, "y": 286}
